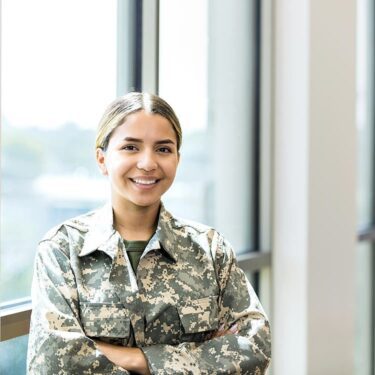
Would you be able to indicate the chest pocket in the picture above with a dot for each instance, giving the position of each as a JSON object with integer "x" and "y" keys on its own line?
{"x": 198, "y": 318}
{"x": 105, "y": 320}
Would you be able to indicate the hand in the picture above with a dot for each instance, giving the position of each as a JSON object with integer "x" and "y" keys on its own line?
{"x": 222, "y": 332}
{"x": 131, "y": 359}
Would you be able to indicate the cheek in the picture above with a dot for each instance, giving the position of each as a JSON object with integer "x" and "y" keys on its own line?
{"x": 118, "y": 166}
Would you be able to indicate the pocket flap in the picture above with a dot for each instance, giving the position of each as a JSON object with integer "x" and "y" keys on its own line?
{"x": 105, "y": 320}
{"x": 199, "y": 315}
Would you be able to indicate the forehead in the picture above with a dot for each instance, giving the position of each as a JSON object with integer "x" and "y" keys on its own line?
{"x": 144, "y": 126}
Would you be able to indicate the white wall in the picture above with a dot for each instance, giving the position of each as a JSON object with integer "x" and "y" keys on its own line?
{"x": 314, "y": 226}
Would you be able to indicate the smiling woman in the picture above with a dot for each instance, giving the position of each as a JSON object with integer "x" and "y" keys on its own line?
{"x": 131, "y": 288}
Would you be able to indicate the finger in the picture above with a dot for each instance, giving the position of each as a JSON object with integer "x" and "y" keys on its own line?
{"x": 221, "y": 328}
{"x": 233, "y": 329}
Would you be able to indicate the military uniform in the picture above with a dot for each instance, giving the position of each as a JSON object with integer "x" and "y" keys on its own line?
{"x": 187, "y": 285}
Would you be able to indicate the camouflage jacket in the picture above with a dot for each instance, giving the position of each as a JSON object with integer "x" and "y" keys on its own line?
{"x": 187, "y": 285}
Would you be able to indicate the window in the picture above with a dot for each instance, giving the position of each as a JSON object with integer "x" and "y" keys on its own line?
{"x": 58, "y": 74}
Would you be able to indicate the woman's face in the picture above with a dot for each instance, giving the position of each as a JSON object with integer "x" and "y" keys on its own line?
{"x": 141, "y": 160}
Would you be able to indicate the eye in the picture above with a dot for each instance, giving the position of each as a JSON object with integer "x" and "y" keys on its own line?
{"x": 129, "y": 148}
{"x": 164, "y": 150}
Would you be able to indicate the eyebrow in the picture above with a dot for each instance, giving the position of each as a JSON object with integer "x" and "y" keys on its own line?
{"x": 137, "y": 140}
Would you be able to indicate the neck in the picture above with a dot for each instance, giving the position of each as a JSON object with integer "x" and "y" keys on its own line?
{"x": 135, "y": 222}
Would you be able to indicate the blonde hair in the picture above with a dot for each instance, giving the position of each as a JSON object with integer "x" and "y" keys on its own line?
{"x": 120, "y": 108}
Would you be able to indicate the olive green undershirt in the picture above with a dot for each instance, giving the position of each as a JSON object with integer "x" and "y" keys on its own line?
{"x": 135, "y": 250}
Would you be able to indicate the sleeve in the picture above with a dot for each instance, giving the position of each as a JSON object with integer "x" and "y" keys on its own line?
{"x": 57, "y": 343}
{"x": 246, "y": 352}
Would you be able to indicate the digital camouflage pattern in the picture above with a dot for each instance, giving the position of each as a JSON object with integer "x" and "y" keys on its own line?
{"x": 187, "y": 285}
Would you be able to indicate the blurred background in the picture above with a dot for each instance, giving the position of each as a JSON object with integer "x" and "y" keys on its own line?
{"x": 275, "y": 98}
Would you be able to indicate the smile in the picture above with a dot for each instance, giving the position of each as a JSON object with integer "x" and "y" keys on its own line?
{"x": 140, "y": 181}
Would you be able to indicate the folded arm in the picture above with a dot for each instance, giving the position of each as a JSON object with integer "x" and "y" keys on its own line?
{"x": 241, "y": 346}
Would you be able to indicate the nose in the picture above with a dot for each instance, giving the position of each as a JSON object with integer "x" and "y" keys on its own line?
{"x": 147, "y": 161}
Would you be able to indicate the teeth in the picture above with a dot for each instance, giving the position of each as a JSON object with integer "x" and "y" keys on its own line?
{"x": 144, "y": 182}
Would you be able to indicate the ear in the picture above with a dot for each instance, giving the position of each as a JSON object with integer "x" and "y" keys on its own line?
{"x": 100, "y": 159}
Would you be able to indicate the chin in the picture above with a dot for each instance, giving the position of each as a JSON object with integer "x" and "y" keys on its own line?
{"x": 145, "y": 204}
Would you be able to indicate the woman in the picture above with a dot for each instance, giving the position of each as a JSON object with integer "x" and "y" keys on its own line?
{"x": 129, "y": 288}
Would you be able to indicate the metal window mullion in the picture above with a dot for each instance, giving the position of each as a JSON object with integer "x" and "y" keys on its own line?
{"x": 256, "y": 144}
{"x": 266, "y": 149}
{"x": 254, "y": 261}
{"x": 127, "y": 48}
{"x": 150, "y": 46}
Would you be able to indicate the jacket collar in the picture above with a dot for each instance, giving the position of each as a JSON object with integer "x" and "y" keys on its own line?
{"x": 165, "y": 237}
{"x": 102, "y": 236}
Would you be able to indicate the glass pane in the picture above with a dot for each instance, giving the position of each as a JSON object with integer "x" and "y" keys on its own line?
{"x": 209, "y": 84}
{"x": 187, "y": 43}
{"x": 13, "y": 356}
{"x": 58, "y": 71}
